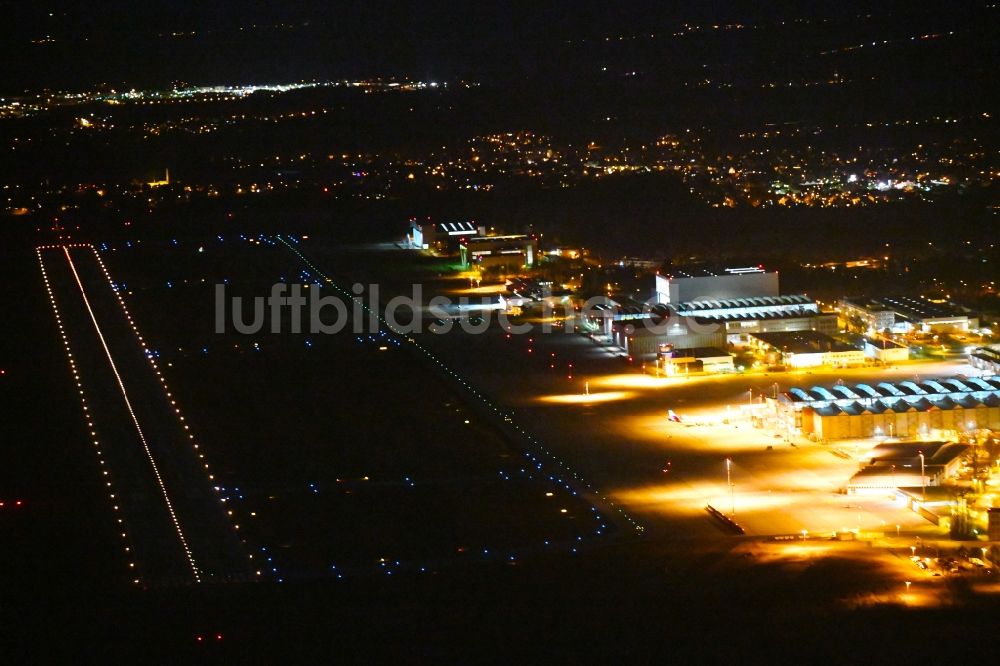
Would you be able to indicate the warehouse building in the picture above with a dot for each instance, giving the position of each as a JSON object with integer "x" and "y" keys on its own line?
{"x": 511, "y": 252}
{"x": 674, "y": 361}
{"x": 899, "y": 465}
{"x": 886, "y": 351}
{"x": 903, "y": 314}
{"x": 867, "y": 314}
{"x": 805, "y": 349}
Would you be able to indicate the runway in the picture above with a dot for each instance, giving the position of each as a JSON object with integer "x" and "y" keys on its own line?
{"x": 173, "y": 525}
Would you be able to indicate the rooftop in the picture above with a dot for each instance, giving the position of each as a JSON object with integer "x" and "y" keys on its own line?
{"x": 455, "y": 228}
{"x": 693, "y": 307}
{"x": 704, "y": 270}
{"x": 802, "y": 342}
{"x": 884, "y": 343}
{"x": 908, "y": 307}
{"x": 989, "y": 353}
{"x": 943, "y": 394}
{"x": 908, "y": 453}
{"x": 700, "y": 352}
{"x": 510, "y": 238}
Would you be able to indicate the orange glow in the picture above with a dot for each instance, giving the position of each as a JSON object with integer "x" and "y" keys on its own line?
{"x": 634, "y": 381}
{"x": 483, "y": 290}
{"x": 585, "y": 398}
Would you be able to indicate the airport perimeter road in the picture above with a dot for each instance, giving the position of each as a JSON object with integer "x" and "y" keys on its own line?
{"x": 172, "y": 520}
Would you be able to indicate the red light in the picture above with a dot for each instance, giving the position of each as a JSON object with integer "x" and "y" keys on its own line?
{"x": 218, "y": 637}
{"x": 198, "y": 638}
{"x": 17, "y": 503}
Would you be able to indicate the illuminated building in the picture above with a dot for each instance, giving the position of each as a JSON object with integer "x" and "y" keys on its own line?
{"x": 886, "y": 351}
{"x": 903, "y": 314}
{"x": 742, "y": 317}
{"x": 643, "y": 338}
{"x": 986, "y": 359}
{"x": 161, "y": 183}
{"x": 868, "y": 314}
{"x": 893, "y": 409}
{"x": 712, "y": 309}
{"x": 805, "y": 349}
{"x": 899, "y": 465}
{"x": 705, "y": 359}
{"x": 442, "y": 236}
{"x": 641, "y": 329}
{"x": 741, "y": 301}
{"x": 511, "y": 252}
{"x": 696, "y": 284}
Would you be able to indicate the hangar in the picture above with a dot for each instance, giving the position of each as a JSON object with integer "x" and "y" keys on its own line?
{"x": 930, "y": 407}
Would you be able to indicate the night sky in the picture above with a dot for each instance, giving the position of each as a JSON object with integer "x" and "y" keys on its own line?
{"x": 134, "y": 44}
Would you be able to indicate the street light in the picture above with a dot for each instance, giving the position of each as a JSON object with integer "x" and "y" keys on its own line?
{"x": 729, "y": 482}
{"x": 923, "y": 481}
